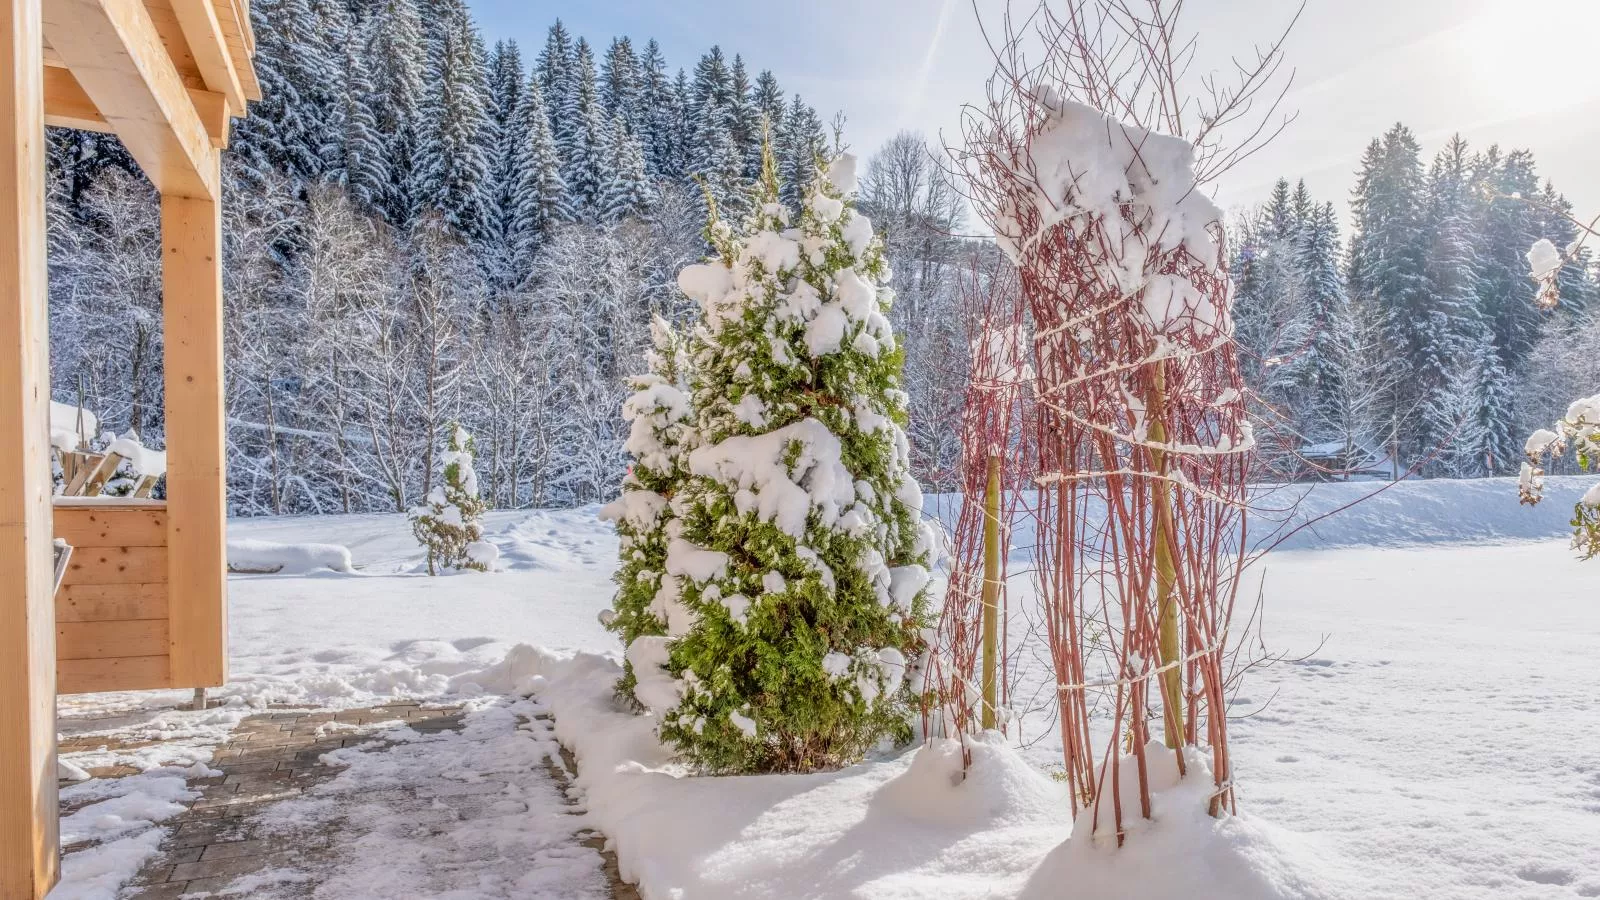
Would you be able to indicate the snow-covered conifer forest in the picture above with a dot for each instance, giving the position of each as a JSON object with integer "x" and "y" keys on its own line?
{"x": 424, "y": 228}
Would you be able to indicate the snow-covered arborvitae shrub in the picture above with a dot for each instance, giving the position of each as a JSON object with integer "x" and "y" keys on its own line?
{"x": 660, "y": 434}
{"x": 447, "y": 521}
{"x": 800, "y": 556}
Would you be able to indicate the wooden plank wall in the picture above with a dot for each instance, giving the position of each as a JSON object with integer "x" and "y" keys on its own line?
{"x": 112, "y": 620}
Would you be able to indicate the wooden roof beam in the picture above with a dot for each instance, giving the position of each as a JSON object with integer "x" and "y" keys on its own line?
{"x": 66, "y": 105}
{"x": 116, "y": 55}
{"x": 203, "y": 31}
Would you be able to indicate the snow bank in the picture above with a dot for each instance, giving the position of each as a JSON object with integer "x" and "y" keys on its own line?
{"x": 258, "y": 556}
{"x": 904, "y": 826}
{"x": 1375, "y": 513}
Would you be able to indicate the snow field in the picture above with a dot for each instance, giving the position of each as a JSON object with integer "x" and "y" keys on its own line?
{"x": 1426, "y": 735}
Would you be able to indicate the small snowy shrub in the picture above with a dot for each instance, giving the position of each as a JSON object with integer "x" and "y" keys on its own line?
{"x": 798, "y": 562}
{"x": 1579, "y": 430}
{"x": 660, "y": 433}
{"x": 446, "y": 523}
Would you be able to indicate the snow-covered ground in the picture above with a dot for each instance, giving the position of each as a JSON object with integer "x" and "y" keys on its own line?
{"x": 1429, "y": 732}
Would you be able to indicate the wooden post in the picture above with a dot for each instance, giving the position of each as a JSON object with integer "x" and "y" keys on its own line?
{"x": 991, "y": 593}
{"x": 29, "y": 835}
{"x": 191, "y": 255}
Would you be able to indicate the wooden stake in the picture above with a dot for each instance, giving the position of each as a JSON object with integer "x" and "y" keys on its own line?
{"x": 991, "y": 593}
{"x": 29, "y": 830}
{"x": 1166, "y": 565}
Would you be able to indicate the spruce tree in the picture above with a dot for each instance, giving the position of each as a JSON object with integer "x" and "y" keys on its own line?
{"x": 660, "y": 436}
{"x": 1327, "y": 307}
{"x": 801, "y": 556}
{"x": 744, "y": 121}
{"x": 660, "y": 113}
{"x": 620, "y": 88}
{"x": 1387, "y": 270}
{"x": 505, "y": 81}
{"x": 399, "y": 66}
{"x": 447, "y": 523}
{"x": 555, "y": 68}
{"x": 453, "y": 164}
{"x": 799, "y": 144}
{"x": 626, "y": 192}
{"x": 539, "y": 200}
{"x": 357, "y": 157}
{"x": 1452, "y": 329}
{"x": 767, "y": 98}
{"x": 585, "y": 134}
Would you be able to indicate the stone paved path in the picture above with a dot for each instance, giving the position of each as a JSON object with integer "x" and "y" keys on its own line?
{"x": 270, "y": 758}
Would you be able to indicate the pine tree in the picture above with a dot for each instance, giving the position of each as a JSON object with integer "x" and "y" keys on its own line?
{"x": 587, "y": 134}
{"x": 399, "y": 64}
{"x": 1387, "y": 270}
{"x": 716, "y": 161}
{"x": 539, "y": 200}
{"x": 357, "y": 157}
{"x": 1327, "y": 307}
{"x": 282, "y": 131}
{"x": 799, "y": 144}
{"x": 453, "y": 164}
{"x": 660, "y": 437}
{"x": 626, "y": 191}
{"x": 505, "y": 81}
{"x": 744, "y": 121}
{"x": 558, "y": 81}
{"x": 505, "y": 95}
{"x": 801, "y": 557}
{"x": 447, "y": 523}
{"x": 659, "y": 104}
{"x": 620, "y": 88}
{"x": 1452, "y": 329}
{"x": 767, "y": 98}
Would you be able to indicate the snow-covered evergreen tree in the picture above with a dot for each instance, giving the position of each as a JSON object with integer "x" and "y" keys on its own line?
{"x": 398, "y": 58}
{"x": 802, "y": 560}
{"x": 538, "y": 196}
{"x": 767, "y": 100}
{"x": 1328, "y": 310}
{"x": 1452, "y": 343}
{"x": 453, "y": 166}
{"x": 356, "y": 156}
{"x": 584, "y": 134}
{"x": 798, "y": 144}
{"x": 744, "y": 121}
{"x": 660, "y": 436}
{"x": 660, "y": 114}
{"x": 1388, "y": 258}
{"x": 620, "y": 84}
{"x": 447, "y": 523}
{"x": 626, "y": 191}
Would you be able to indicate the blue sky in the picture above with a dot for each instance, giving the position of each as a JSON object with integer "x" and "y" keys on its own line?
{"x": 1516, "y": 72}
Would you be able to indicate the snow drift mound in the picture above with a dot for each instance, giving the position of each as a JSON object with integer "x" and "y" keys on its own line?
{"x": 999, "y": 788}
{"x": 1179, "y": 848}
{"x": 1379, "y": 514}
{"x": 269, "y": 557}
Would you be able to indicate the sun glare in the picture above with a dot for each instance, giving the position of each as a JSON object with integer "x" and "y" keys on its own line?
{"x": 1532, "y": 56}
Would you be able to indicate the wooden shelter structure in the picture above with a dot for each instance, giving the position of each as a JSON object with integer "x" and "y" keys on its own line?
{"x": 142, "y": 599}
